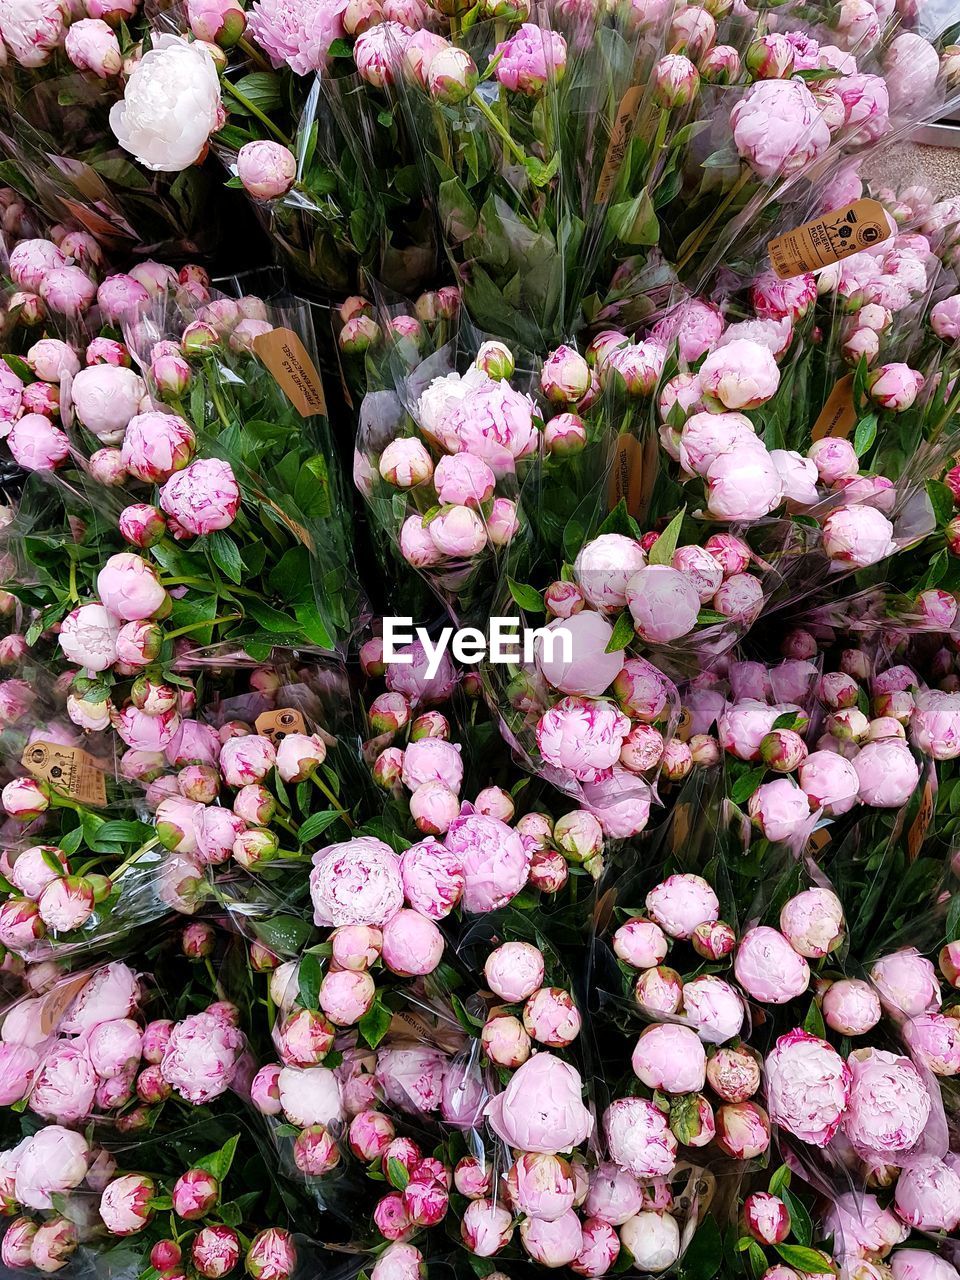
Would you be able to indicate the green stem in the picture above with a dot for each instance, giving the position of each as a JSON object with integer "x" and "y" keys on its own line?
{"x": 659, "y": 140}
{"x": 714, "y": 218}
{"x": 498, "y": 128}
{"x": 952, "y": 407}
{"x": 73, "y": 580}
{"x": 197, "y": 626}
{"x": 255, "y": 111}
{"x": 332, "y": 798}
{"x": 137, "y": 853}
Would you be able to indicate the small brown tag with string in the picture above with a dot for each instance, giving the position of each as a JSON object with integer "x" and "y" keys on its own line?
{"x": 289, "y": 361}
{"x": 275, "y": 725}
{"x": 69, "y": 770}
{"x": 838, "y": 416}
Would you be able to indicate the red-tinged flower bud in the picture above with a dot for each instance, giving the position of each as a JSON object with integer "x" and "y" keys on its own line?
{"x": 371, "y": 1132}
{"x": 199, "y": 782}
{"x": 164, "y": 1255}
{"x": 151, "y": 1086}
{"x": 783, "y": 750}
{"x": 721, "y": 65}
{"x": 23, "y": 800}
{"x": 197, "y": 940}
{"x": 565, "y": 376}
{"x": 565, "y": 435}
{"x": 713, "y": 940}
{"x": 134, "y": 1121}
{"x": 743, "y": 1130}
{"x": 315, "y": 1152}
{"x": 770, "y": 57}
{"x": 254, "y": 803}
{"x": 431, "y": 724}
{"x": 676, "y": 81}
{"x": 141, "y": 524}
{"x": 388, "y": 768}
{"x": 262, "y": 959}
{"x": 195, "y": 1194}
{"x": 389, "y": 712}
{"x": 495, "y": 359}
{"x": 199, "y": 337}
{"x": 215, "y": 1251}
{"x": 766, "y": 1218}
{"x": 548, "y": 871}
{"x": 254, "y": 847}
{"x": 951, "y": 533}
{"x": 53, "y": 1244}
{"x": 451, "y": 74}
{"x": 101, "y": 885}
{"x": 272, "y": 1255}
{"x": 359, "y": 335}
{"x": 125, "y": 1203}
{"x": 390, "y": 1217}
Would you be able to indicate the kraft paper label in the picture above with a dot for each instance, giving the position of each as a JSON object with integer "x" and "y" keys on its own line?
{"x": 69, "y": 770}
{"x": 631, "y": 476}
{"x": 839, "y": 415}
{"x": 819, "y": 839}
{"x": 624, "y": 124}
{"x": 58, "y": 1001}
{"x": 275, "y": 725}
{"x": 921, "y": 823}
{"x": 832, "y": 238}
{"x": 287, "y": 359}
{"x": 680, "y": 831}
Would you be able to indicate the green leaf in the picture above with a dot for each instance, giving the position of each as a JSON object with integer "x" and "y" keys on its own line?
{"x": 310, "y": 975}
{"x": 283, "y": 935}
{"x": 219, "y": 1162}
{"x": 813, "y": 1023}
{"x": 789, "y": 720}
{"x": 941, "y": 499}
{"x": 316, "y": 824}
{"x": 662, "y": 550}
{"x": 710, "y": 618}
{"x": 262, "y": 88}
{"x": 527, "y": 597}
{"x": 375, "y": 1023}
{"x": 758, "y": 1259}
{"x": 953, "y": 915}
{"x": 746, "y": 785}
{"x": 340, "y": 49}
{"x": 271, "y": 619}
{"x": 801, "y": 1224}
{"x": 865, "y": 435}
{"x": 312, "y": 490}
{"x": 809, "y": 1261}
{"x": 397, "y": 1174}
{"x": 70, "y": 843}
{"x": 778, "y": 1180}
{"x": 226, "y": 555}
{"x": 19, "y": 367}
{"x": 704, "y": 1254}
{"x": 623, "y": 633}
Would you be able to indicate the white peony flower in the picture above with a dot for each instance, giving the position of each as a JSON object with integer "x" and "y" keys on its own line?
{"x": 170, "y": 106}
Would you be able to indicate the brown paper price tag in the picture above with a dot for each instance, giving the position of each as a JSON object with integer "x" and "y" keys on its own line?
{"x": 921, "y": 823}
{"x": 69, "y": 770}
{"x": 288, "y": 360}
{"x": 624, "y": 124}
{"x": 832, "y": 238}
{"x": 626, "y": 476}
{"x": 838, "y": 416}
{"x": 680, "y": 831}
{"x": 275, "y": 725}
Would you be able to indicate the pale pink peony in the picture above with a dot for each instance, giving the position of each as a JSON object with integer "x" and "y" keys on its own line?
{"x": 541, "y": 1109}
{"x": 357, "y": 882}
{"x": 807, "y": 1085}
